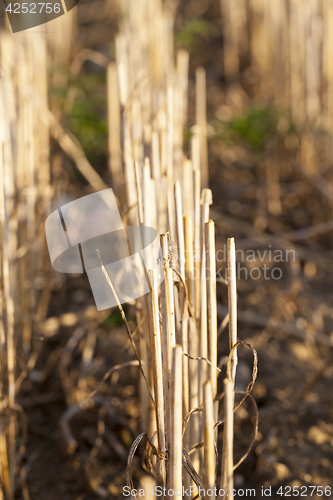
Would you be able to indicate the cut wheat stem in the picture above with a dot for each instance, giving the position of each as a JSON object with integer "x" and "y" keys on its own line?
{"x": 232, "y": 303}
{"x": 211, "y": 301}
{"x": 202, "y": 123}
{"x": 208, "y": 436}
{"x": 168, "y": 330}
{"x": 227, "y": 476}
{"x": 158, "y": 376}
{"x": 176, "y": 448}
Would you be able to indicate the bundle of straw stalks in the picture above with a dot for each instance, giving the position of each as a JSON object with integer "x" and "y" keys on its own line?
{"x": 26, "y": 191}
{"x": 281, "y": 54}
{"x": 165, "y": 186}
{"x": 25, "y": 194}
{"x": 162, "y": 185}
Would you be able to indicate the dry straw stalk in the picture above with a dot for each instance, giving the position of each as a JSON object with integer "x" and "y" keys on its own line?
{"x": 232, "y": 303}
{"x": 176, "y": 448}
{"x": 211, "y": 301}
{"x": 168, "y": 327}
{"x": 208, "y": 436}
{"x": 156, "y": 349}
{"x": 227, "y": 476}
